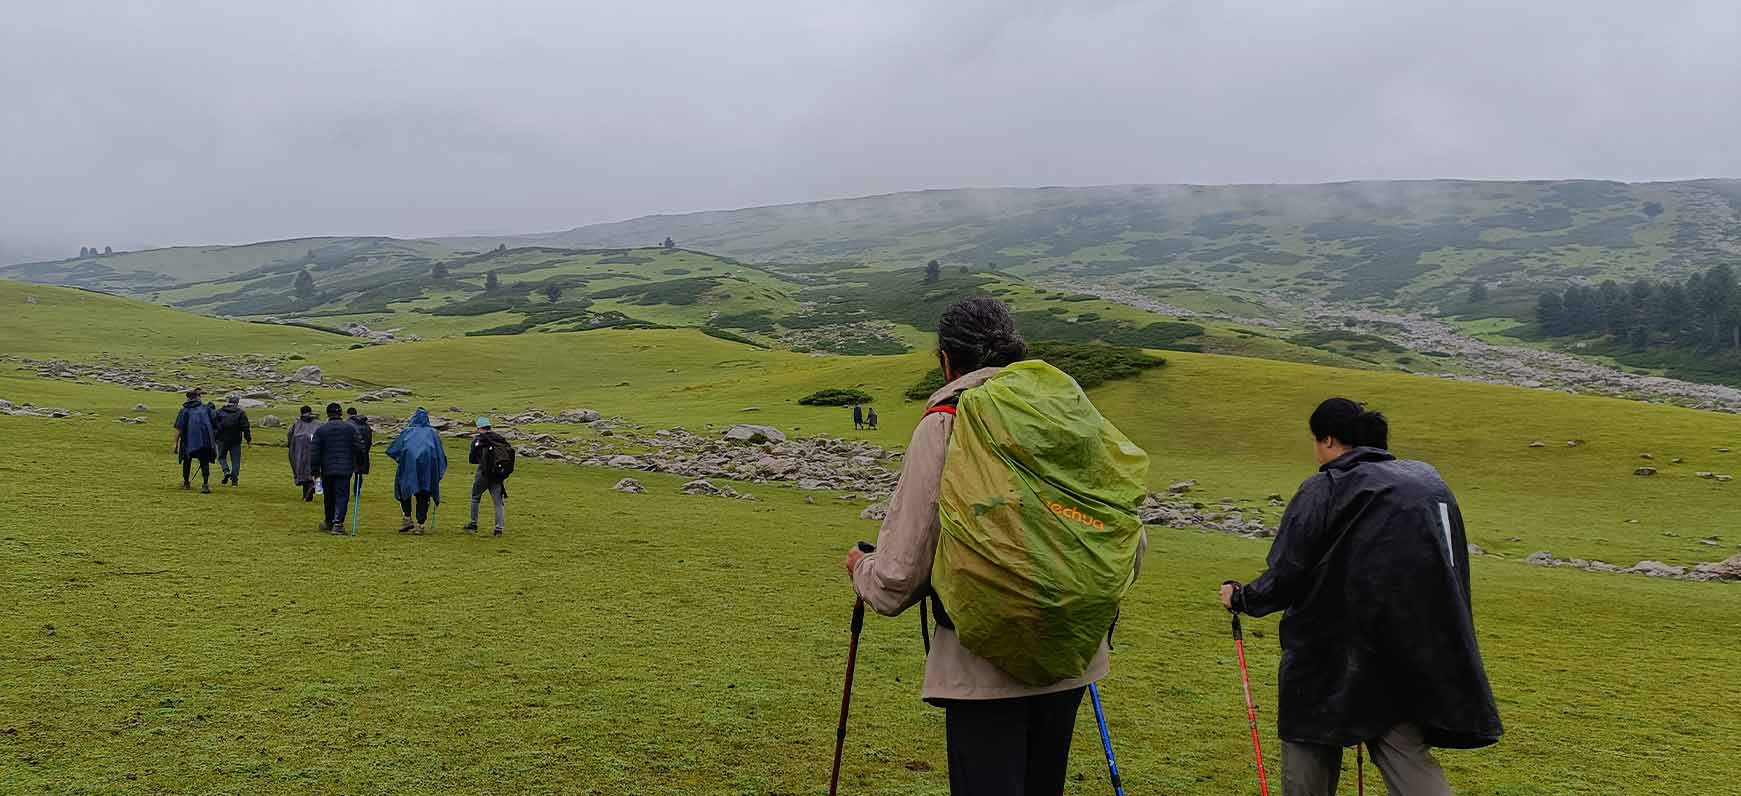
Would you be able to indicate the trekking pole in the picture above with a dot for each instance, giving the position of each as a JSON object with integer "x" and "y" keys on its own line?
{"x": 846, "y": 691}
{"x": 1105, "y": 739}
{"x": 1360, "y": 768}
{"x": 1250, "y": 707}
{"x": 357, "y": 511}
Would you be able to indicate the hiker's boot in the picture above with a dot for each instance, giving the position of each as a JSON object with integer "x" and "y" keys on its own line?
{"x": 186, "y": 486}
{"x": 205, "y": 488}
{"x": 324, "y": 526}
{"x": 406, "y": 528}
{"x": 417, "y": 530}
{"x": 470, "y": 526}
{"x": 339, "y": 530}
{"x": 497, "y": 533}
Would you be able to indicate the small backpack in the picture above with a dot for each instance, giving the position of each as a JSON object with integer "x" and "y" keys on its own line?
{"x": 229, "y": 423}
{"x": 498, "y": 458}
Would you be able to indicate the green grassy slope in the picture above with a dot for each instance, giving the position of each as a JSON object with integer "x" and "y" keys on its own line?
{"x": 71, "y": 323}
{"x": 152, "y": 269}
{"x": 167, "y": 642}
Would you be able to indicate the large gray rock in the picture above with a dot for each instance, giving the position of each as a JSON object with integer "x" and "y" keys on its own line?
{"x": 270, "y": 421}
{"x": 1644, "y": 471}
{"x": 1181, "y": 487}
{"x": 141, "y": 408}
{"x": 251, "y": 403}
{"x": 578, "y": 416}
{"x": 1541, "y": 558}
{"x": 1657, "y": 569}
{"x": 308, "y": 374}
{"x": 625, "y": 461}
{"x": 875, "y": 511}
{"x": 702, "y": 486}
{"x": 754, "y": 435}
{"x": 630, "y": 486}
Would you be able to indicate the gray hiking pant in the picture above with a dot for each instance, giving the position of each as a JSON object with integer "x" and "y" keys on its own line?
{"x": 1401, "y": 755}
{"x": 498, "y": 495}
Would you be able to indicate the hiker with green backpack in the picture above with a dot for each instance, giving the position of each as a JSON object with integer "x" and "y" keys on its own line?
{"x": 1015, "y": 521}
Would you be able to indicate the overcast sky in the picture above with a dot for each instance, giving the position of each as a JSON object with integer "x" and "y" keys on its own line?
{"x": 133, "y": 124}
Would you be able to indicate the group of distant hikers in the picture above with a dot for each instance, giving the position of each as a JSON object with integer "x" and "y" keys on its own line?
{"x": 864, "y": 417}
{"x": 331, "y": 459}
{"x": 1014, "y": 524}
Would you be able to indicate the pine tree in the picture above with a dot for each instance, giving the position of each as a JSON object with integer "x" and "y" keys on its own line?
{"x": 491, "y": 283}
{"x": 1478, "y": 293}
{"x": 108, "y": 250}
{"x": 669, "y": 243}
{"x": 553, "y": 292}
{"x": 438, "y": 271}
{"x": 1550, "y": 314}
{"x": 304, "y": 286}
{"x": 84, "y": 251}
{"x": 933, "y": 271}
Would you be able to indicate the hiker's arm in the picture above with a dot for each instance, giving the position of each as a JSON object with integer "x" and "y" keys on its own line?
{"x": 898, "y": 574}
{"x": 316, "y": 454}
{"x": 247, "y": 430}
{"x": 473, "y": 456}
{"x": 1292, "y": 556}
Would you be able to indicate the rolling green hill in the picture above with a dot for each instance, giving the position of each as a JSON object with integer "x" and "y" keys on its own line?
{"x": 168, "y": 642}
{"x": 1406, "y": 242}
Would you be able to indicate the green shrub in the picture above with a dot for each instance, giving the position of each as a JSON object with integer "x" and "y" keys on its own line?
{"x": 676, "y": 292}
{"x": 836, "y": 396}
{"x": 730, "y": 337}
{"x": 748, "y": 321}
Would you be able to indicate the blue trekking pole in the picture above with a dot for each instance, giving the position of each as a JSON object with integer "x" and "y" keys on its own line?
{"x": 1105, "y": 739}
{"x": 357, "y": 513}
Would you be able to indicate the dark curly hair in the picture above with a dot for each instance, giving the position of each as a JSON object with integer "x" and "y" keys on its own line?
{"x": 979, "y": 333}
{"x": 1350, "y": 424}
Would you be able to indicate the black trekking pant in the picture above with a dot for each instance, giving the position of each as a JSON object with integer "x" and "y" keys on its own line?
{"x": 205, "y": 469}
{"x": 1010, "y": 747}
{"x": 422, "y": 507}
{"x": 338, "y": 498}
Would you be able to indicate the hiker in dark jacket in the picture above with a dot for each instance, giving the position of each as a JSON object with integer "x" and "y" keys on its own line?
{"x": 1378, "y": 640}
{"x": 857, "y": 417}
{"x": 870, "y": 418}
{"x": 195, "y": 440}
{"x": 337, "y": 446}
{"x": 233, "y": 429}
{"x": 485, "y": 481}
{"x": 301, "y": 443}
{"x": 367, "y": 433}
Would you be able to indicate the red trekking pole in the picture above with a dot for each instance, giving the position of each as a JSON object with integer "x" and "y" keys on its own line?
{"x": 1250, "y": 707}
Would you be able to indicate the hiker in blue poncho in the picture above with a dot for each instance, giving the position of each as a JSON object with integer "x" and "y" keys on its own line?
{"x": 195, "y": 440}
{"x": 422, "y": 463}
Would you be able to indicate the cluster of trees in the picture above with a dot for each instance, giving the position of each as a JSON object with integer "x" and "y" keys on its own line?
{"x": 933, "y": 271}
{"x": 304, "y": 286}
{"x": 669, "y": 243}
{"x": 1702, "y": 313}
{"x": 91, "y": 251}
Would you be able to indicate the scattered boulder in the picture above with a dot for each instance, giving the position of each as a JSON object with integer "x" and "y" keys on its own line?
{"x": 1645, "y": 456}
{"x": 754, "y": 435}
{"x": 1476, "y": 551}
{"x": 1676, "y": 460}
{"x": 578, "y": 416}
{"x": 30, "y": 300}
{"x": 1574, "y": 443}
{"x": 5, "y": 405}
{"x": 1657, "y": 569}
{"x": 270, "y": 421}
{"x": 131, "y": 420}
{"x": 1644, "y": 471}
{"x": 383, "y": 394}
{"x": 630, "y": 486}
{"x": 1727, "y": 569}
{"x": 875, "y": 511}
{"x": 625, "y": 461}
{"x": 1538, "y": 444}
{"x": 308, "y": 374}
{"x": 1540, "y": 558}
{"x": 250, "y": 403}
{"x": 141, "y": 408}
{"x": 1181, "y": 487}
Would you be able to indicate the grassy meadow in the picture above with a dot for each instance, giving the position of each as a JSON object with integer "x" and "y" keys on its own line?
{"x": 157, "y": 641}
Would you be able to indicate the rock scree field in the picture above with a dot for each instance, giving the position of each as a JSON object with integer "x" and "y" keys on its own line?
{"x": 158, "y": 641}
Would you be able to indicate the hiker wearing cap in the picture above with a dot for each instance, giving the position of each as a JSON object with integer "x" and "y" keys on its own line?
{"x": 495, "y": 460}
{"x": 337, "y": 447}
{"x": 421, "y": 465}
{"x": 1008, "y": 663}
{"x": 195, "y": 440}
{"x": 301, "y": 445}
{"x": 1371, "y": 567}
{"x": 233, "y": 428}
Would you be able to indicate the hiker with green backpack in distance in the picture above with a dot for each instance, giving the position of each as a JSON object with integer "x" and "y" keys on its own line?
{"x": 1378, "y": 643}
{"x": 1015, "y": 520}
{"x": 495, "y": 460}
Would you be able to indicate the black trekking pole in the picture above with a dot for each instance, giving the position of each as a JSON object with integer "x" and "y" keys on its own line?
{"x": 846, "y": 692}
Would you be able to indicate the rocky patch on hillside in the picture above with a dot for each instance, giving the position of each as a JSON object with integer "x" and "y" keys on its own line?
{"x": 1727, "y": 569}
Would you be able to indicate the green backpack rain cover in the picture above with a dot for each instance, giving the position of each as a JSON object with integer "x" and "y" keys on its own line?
{"x": 1040, "y": 527}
